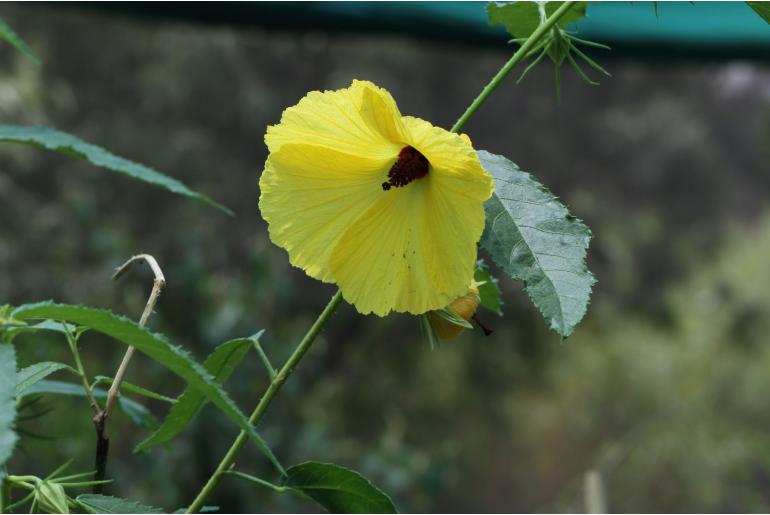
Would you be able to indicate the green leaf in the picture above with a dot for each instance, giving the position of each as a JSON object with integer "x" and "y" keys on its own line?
{"x": 47, "y": 325}
{"x": 60, "y": 388}
{"x": 157, "y": 347}
{"x": 52, "y": 139}
{"x": 12, "y": 331}
{"x": 94, "y": 503}
{"x": 7, "y": 401}
{"x": 221, "y": 364}
{"x": 522, "y": 18}
{"x": 533, "y": 238}
{"x": 489, "y": 288}
{"x": 338, "y": 489}
{"x": 11, "y": 37}
{"x": 132, "y": 409}
{"x": 762, "y": 9}
{"x": 8, "y": 325}
{"x": 138, "y": 414}
{"x": 32, "y": 374}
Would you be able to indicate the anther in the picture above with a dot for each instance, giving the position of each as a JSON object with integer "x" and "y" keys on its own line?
{"x": 410, "y": 165}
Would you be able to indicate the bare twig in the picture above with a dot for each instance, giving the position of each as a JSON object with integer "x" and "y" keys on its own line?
{"x": 157, "y": 286}
{"x": 595, "y": 496}
{"x": 102, "y": 417}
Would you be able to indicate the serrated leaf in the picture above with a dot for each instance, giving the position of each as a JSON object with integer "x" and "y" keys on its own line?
{"x": 338, "y": 489}
{"x": 11, "y": 37}
{"x": 94, "y": 503}
{"x": 762, "y": 9}
{"x": 489, "y": 288}
{"x": 7, "y": 401}
{"x": 534, "y": 238}
{"x": 138, "y": 414}
{"x": 32, "y": 374}
{"x": 221, "y": 363}
{"x": 157, "y": 347}
{"x": 522, "y": 18}
{"x": 52, "y": 139}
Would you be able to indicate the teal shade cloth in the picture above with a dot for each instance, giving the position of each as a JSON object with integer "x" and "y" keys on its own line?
{"x": 679, "y": 29}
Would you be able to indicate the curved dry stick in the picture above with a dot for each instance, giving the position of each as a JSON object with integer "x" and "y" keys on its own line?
{"x": 101, "y": 418}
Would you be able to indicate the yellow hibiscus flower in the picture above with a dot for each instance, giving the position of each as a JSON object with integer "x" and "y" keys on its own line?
{"x": 388, "y": 207}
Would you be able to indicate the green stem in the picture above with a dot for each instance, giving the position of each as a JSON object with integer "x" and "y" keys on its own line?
{"x": 80, "y": 484}
{"x": 265, "y": 360}
{"x": 5, "y": 496}
{"x": 262, "y": 482}
{"x": 80, "y": 370}
{"x": 73, "y": 476}
{"x": 26, "y": 482}
{"x": 25, "y": 500}
{"x": 264, "y": 402}
{"x": 518, "y": 57}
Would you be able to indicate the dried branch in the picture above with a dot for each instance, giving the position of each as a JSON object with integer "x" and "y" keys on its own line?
{"x": 101, "y": 418}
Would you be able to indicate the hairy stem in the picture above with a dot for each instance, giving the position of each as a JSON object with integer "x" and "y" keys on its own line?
{"x": 518, "y": 57}
{"x": 264, "y": 402}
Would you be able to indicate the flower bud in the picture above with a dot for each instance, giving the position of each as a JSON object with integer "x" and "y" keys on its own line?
{"x": 464, "y": 307}
{"x": 51, "y": 497}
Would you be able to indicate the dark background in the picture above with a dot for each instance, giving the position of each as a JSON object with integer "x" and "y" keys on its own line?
{"x": 662, "y": 390}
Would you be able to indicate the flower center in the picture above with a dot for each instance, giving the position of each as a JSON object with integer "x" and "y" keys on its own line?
{"x": 410, "y": 165}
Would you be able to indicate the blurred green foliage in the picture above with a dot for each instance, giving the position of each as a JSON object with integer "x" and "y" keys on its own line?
{"x": 660, "y": 390}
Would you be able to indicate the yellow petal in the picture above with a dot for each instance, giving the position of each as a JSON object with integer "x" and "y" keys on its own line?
{"x": 361, "y": 120}
{"x": 413, "y": 251}
{"x": 309, "y": 196}
{"x": 451, "y": 157}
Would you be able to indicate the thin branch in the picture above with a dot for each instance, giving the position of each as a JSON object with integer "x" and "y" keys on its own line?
{"x": 595, "y": 495}
{"x": 157, "y": 286}
{"x": 101, "y": 419}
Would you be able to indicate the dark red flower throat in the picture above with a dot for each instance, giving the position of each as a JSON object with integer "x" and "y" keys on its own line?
{"x": 410, "y": 165}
